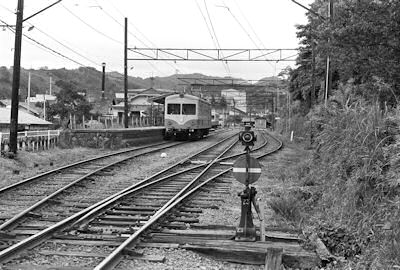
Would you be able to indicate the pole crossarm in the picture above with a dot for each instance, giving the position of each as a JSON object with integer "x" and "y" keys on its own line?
{"x": 192, "y": 81}
{"x": 249, "y": 55}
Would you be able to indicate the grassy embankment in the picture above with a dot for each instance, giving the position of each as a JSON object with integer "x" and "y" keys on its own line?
{"x": 348, "y": 189}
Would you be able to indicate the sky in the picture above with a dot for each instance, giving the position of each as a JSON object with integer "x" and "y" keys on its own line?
{"x": 89, "y": 32}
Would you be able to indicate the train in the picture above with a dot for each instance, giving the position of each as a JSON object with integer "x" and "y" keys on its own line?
{"x": 186, "y": 117}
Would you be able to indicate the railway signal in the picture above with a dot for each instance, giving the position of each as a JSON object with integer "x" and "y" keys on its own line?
{"x": 247, "y": 170}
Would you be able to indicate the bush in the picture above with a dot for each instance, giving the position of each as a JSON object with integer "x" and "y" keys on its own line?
{"x": 287, "y": 207}
{"x": 354, "y": 180}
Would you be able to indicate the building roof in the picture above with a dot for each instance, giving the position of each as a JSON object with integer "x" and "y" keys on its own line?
{"x": 42, "y": 97}
{"x": 23, "y": 118}
{"x": 21, "y": 105}
{"x": 146, "y": 92}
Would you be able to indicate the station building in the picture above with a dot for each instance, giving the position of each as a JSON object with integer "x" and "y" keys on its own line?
{"x": 26, "y": 121}
{"x": 141, "y": 102}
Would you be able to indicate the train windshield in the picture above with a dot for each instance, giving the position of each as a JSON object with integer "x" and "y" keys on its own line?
{"x": 189, "y": 109}
{"x": 173, "y": 108}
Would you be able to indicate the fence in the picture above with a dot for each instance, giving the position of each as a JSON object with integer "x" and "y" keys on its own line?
{"x": 110, "y": 122}
{"x": 34, "y": 140}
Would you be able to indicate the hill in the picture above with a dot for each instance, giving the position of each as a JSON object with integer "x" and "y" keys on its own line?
{"x": 89, "y": 80}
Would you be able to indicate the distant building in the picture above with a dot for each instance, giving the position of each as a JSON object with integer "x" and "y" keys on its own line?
{"x": 221, "y": 115}
{"x": 235, "y": 98}
{"x": 26, "y": 121}
{"x": 139, "y": 101}
{"x": 262, "y": 122}
{"x": 42, "y": 97}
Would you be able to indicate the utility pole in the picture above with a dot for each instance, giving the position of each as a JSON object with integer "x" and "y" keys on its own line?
{"x": 44, "y": 106}
{"x": 103, "y": 80}
{"x": 29, "y": 92}
{"x": 50, "y": 86}
{"x": 328, "y": 59}
{"x": 17, "y": 73}
{"x": 16, "y": 78}
{"x": 328, "y": 77}
{"x": 126, "y": 75}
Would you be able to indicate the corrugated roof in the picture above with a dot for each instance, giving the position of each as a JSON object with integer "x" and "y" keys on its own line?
{"x": 23, "y": 118}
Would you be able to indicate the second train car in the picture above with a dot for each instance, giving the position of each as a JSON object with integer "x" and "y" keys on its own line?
{"x": 186, "y": 117}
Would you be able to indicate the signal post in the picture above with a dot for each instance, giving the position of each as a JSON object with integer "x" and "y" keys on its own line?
{"x": 247, "y": 170}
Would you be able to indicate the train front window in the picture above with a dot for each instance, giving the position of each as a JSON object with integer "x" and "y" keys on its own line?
{"x": 189, "y": 109}
{"x": 174, "y": 108}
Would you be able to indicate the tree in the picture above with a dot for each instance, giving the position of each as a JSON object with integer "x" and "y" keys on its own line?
{"x": 69, "y": 102}
{"x": 363, "y": 40}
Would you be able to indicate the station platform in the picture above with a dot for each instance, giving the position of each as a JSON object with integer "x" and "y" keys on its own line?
{"x": 110, "y": 138}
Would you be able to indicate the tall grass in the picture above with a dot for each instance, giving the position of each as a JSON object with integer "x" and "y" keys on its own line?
{"x": 355, "y": 173}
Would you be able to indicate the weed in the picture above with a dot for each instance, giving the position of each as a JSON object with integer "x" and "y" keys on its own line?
{"x": 287, "y": 207}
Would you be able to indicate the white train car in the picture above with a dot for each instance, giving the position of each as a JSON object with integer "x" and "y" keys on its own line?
{"x": 186, "y": 117}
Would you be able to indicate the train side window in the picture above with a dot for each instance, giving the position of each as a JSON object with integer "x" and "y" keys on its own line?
{"x": 174, "y": 108}
{"x": 189, "y": 109}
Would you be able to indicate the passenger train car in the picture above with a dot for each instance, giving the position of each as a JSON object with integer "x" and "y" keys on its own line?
{"x": 186, "y": 117}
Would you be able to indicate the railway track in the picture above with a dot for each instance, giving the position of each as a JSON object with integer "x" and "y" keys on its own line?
{"x": 27, "y": 195}
{"x": 24, "y": 202}
{"x": 125, "y": 216}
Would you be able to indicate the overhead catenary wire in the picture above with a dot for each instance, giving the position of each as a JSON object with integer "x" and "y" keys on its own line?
{"x": 215, "y": 35}
{"x": 91, "y": 27}
{"x": 67, "y": 47}
{"x": 101, "y": 33}
{"x": 244, "y": 29}
{"x": 42, "y": 46}
{"x": 212, "y": 32}
{"x": 59, "y": 42}
{"x": 120, "y": 24}
{"x": 62, "y": 43}
{"x": 133, "y": 35}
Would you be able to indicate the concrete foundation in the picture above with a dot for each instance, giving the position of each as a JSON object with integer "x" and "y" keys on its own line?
{"x": 109, "y": 138}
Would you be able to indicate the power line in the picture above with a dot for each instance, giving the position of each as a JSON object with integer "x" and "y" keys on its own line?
{"x": 250, "y": 25}
{"x": 134, "y": 26}
{"x": 91, "y": 27}
{"x": 54, "y": 39}
{"x": 136, "y": 37}
{"x": 42, "y": 46}
{"x": 67, "y": 47}
{"x": 215, "y": 35}
{"x": 119, "y": 23}
{"x": 244, "y": 29}
{"x": 205, "y": 21}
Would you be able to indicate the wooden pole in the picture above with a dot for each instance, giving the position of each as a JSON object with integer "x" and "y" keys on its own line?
{"x": 126, "y": 75}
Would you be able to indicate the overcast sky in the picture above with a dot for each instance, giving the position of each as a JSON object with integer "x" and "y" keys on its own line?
{"x": 91, "y": 32}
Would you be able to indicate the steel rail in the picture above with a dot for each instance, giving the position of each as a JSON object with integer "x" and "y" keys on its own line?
{"x": 12, "y": 221}
{"x": 149, "y": 182}
{"x": 114, "y": 258}
{"x": 146, "y": 182}
{"x": 33, "y": 240}
{"x": 76, "y": 164}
